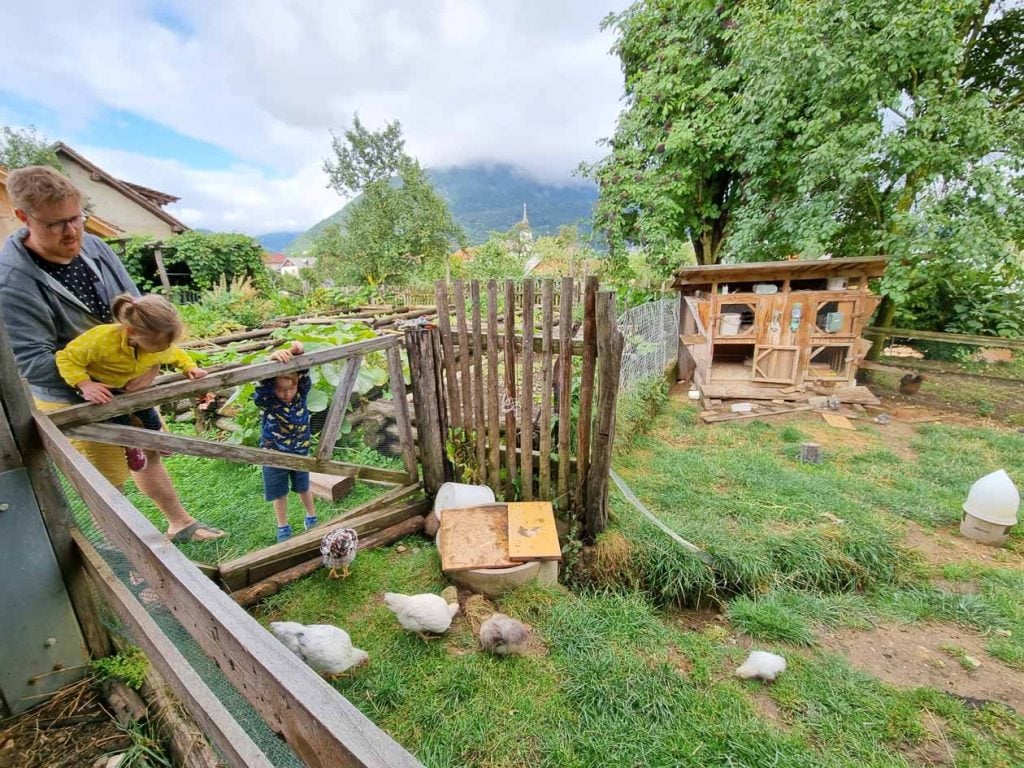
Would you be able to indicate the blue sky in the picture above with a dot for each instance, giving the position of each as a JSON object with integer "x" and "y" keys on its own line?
{"x": 230, "y": 105}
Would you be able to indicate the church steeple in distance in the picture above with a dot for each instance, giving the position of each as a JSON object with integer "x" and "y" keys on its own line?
{"x": 525, "y": 220}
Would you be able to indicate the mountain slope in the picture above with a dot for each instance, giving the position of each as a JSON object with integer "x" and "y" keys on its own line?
{"x": 274, "y": 242}
{"x": 485, "y": 199}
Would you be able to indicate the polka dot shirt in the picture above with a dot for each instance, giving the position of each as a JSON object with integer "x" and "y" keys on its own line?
{"x": 78, "y": 278}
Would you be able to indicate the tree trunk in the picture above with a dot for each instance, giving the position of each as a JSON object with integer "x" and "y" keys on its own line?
{"x": 884, "y": 316}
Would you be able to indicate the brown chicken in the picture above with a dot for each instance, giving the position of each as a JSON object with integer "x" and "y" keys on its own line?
{"x": 910, "y": 384}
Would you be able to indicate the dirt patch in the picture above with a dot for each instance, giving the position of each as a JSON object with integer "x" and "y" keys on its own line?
{"x": 956, "y": 587}
{"x": 935, "y": 749}
{"x": 912, "y": 656}
{"x": 680, "y": 661}
{"x": 71, "y": 730}
{"x": 945, "y": 546}
{"x": 769, "y": 710}
{"x": 697, "y": 620}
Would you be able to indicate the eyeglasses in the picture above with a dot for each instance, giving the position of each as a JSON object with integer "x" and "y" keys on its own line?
{"x": 57, "y": 227}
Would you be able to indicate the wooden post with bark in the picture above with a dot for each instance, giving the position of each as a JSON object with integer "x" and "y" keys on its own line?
{"x": 431, "y": 431}
{"x": 609, "y": 363}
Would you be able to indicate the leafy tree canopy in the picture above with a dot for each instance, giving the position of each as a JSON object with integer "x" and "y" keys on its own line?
{"x": 397, "y": 225}
{"x": 199, "y": 260}
{"x": 21, "y": 148}
{"x": 756, "y": 129}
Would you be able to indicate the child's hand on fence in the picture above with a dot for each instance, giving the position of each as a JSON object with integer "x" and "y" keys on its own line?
{"x": 95, "y": 392}
{"x": 284, "y": 355}
{"x": 196, "y": 373}
{"x": 142, "y": 381}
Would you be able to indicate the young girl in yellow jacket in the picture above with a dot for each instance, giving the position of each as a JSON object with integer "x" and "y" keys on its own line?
{"x": 126, "y": 356}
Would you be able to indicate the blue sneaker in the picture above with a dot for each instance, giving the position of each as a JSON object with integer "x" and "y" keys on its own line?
{"x": 310, "y": 522}
{"x": 284, "y": 532}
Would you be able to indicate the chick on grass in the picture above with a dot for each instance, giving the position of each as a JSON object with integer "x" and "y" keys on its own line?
{"x": 762, "y": 665}
{"x": 422, "y": 614}
{"x": 326, "y": 648}
{"x": 338, "y": 550}
{"x": 503, "y": 635}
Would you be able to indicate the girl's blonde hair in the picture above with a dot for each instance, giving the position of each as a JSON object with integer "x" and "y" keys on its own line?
{"x": 151, "y": 317}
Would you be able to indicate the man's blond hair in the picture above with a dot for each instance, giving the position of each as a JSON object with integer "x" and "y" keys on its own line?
{"x": 39, "y": 185}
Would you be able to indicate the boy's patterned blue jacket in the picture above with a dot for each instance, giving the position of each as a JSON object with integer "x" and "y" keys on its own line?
{"x": 284, "y": 426}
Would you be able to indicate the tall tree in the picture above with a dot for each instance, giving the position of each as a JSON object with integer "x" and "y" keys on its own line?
{"x": 759, "y": 129}
{"x": 23, "y": 147}
{"x": 397, "y": 224}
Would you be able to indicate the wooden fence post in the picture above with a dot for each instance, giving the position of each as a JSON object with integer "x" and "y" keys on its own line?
{"x": 609, "y": 362}
{"x": 586, "y": 388}
{"x": 431, "y": 431}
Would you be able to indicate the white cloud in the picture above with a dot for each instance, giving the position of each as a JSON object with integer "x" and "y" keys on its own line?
{"x": 241, "y": 198}
{"x": 525, "y": 82}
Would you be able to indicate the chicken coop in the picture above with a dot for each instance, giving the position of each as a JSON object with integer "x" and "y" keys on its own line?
{"x": 769, "y": 329}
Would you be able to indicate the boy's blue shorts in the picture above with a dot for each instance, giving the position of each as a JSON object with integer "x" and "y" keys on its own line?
{"x": 275, "y": 482}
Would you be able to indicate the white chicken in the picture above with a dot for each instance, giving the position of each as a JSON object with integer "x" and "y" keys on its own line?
{"x": 763, "y": 665}
{"x": 326, "y": 648}
{"x": 503, "y": 635}
{"x": 422, "y": 613}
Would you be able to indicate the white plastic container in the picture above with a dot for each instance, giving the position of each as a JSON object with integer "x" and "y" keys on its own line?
{"x": 729, "y": 324}
{"x": 991, "y": 509}
{"x": 461, "y": 495}
{"x": 765, "y": 289}
{"x": 837, "y": 283}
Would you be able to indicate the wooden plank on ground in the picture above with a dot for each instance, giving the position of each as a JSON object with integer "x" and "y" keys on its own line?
{"x": 526, "y": 398}
{"x": 740, "y": 390}
{"x": 714, "y": 417}
{"x": 838, "y": 421}
{"x": 88, "y": 413}
{"x": 247, "y": 596}
{"x": 115, "y": 434}
{"x": 254, "y": 566}
{"x": 531, "y": 529}
{"x": 474, "y": 537}
{"x": 330, "y": 487}
{"x": 186, "y": 684}
{"x": 318, "y": 723}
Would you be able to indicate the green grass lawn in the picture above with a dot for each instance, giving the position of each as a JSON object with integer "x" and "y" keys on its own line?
{"x": 624, "y": 673}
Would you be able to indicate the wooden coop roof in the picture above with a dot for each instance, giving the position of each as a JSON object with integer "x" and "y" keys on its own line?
{"x": 871, "y": 266}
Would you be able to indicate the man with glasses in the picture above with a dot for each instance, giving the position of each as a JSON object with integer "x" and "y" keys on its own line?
{"x": 57, "y": 282}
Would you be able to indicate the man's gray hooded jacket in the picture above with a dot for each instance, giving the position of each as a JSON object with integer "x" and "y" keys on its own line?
{"x": 42, "y": 315}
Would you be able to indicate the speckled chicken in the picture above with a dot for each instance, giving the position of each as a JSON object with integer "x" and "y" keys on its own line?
{"x": 338, "y": 550}
{"x": 503, "y": 635}
{"x": 422, "y": 613}
{"x": 326, "y": 648}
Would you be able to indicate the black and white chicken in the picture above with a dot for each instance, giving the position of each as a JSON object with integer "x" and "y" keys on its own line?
{"x": 338, "y": 550}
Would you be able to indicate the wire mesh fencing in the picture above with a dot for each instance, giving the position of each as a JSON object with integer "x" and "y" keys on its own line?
{"x": 650, "y": 334}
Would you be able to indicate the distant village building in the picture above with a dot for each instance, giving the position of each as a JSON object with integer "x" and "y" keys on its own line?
{"x": 130, "y": 208}
{"x": 284, "y": 264}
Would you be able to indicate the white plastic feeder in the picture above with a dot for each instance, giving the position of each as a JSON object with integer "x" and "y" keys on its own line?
{"x": 991, "y": 509}
{"x": 460, "y": 496}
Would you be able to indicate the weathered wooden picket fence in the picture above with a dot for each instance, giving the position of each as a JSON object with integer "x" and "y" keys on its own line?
{"x": 504, "y": 390}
